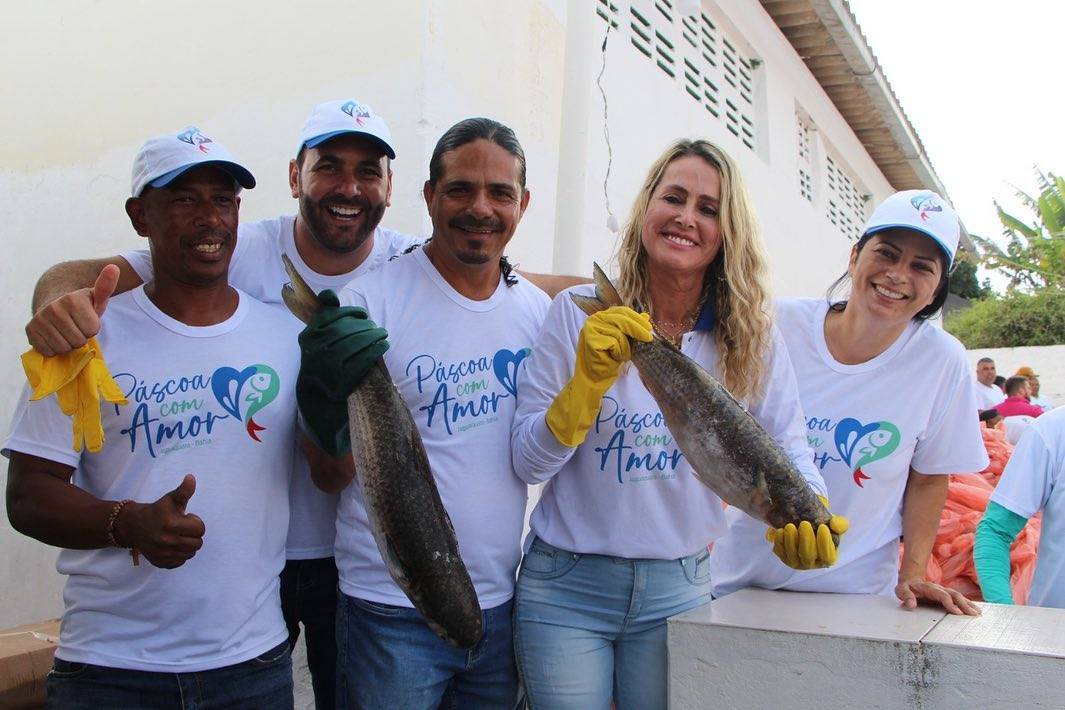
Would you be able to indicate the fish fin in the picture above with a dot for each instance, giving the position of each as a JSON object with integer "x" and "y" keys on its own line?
{"x": 589, "y": 304}
{"x": 604, "y": 290}
{"x": 297, "y": 295}
{"x": 605, "y": 294}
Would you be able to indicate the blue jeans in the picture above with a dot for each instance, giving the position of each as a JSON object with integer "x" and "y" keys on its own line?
{"x": 590, "y": 629}
{"x": 389, "y": 659}
{"x": 263, "y": 683}
{"x": 309, "y": 596}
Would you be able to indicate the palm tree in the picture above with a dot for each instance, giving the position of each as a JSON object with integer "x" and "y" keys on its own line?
{"x": 1034, "y": 256}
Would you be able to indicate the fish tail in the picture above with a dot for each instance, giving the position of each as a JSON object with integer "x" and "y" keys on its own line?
{"x": 297, "y": 295}
{"x": 604, "y": 290}
{"x": 605, "y": 294}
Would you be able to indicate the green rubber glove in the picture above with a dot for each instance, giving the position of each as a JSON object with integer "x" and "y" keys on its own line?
{"x": 337, "y": 348}
{"x": 602, "y": 347}
{"x": 799, "y": 547}
{"x": 991, "y": 551}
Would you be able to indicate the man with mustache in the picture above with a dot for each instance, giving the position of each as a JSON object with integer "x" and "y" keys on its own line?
{"x": 182, "y": 469}
{"x": 342, "y": 177}
{"x": 456, "y": 353}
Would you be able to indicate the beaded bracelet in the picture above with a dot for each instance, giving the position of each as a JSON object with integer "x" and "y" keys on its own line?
{"x": 111, "y": 519}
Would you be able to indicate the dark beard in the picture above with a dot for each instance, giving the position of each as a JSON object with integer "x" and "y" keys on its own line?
{"x": 311, "y": 212}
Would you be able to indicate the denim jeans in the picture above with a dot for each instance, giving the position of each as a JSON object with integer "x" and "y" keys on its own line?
{"x": 309, "y": 596}
{"x": 590, "y": 629}
{"x": 263, "y": 683}
{"x": 389, "y": 659}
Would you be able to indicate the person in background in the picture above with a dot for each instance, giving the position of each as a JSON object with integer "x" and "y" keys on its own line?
{"x": 990, "y": 417}
{"x": 1032, "y": 482}
{"x": 1033, "y": 386}
{"x": 618, "y": 546}
{"x": 988, "y": 393}
{"x": 174, "y": 530}
{"x": 889, "y": 407}
{"x": 1016, "y": 402}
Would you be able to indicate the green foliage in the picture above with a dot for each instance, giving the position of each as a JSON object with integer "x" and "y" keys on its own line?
{"x": 1018, "y": 319}
{"x": 963, "y": 281}
{"x": 1034, "y": 256}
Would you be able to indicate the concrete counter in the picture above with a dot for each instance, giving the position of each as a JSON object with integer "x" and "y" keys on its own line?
{"x": 763, "y": 649}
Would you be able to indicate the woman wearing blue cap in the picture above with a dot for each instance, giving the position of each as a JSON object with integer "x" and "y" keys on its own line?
{"x": 890, "y": 409}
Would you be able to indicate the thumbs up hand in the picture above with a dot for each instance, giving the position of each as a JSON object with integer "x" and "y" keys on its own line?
{"x": 163, "y": 531}
{"x": 69, "y": 321}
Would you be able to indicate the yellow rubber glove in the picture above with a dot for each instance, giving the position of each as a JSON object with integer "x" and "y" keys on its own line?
{"x": 800, "y": 548}
{"x": 603, "y": 346}
{"x": 78, "y": 379}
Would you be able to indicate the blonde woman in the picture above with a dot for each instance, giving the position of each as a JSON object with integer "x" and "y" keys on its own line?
{"x": 620, "y": 534}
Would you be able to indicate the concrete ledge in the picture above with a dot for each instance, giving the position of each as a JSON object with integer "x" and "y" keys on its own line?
{"x": 763, "y": 649}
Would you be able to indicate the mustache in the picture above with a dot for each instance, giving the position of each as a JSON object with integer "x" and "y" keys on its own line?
{"x": 469, "y": 222}
{"x": 222, "y": 235}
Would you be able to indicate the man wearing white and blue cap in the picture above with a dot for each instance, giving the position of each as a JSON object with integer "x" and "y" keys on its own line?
{"x": 172, "y": 563}
{"x": 341, "y": 175}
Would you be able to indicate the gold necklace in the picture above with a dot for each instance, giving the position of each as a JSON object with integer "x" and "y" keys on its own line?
{"x": 682, "y": 326}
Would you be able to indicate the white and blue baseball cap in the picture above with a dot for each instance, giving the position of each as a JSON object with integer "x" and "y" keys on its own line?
{"x": 921, "y": 211}
{"x": 163, "y": 158}
{"x": 334, "y": 118}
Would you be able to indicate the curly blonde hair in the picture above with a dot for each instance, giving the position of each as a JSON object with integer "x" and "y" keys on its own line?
{"x": 735, "y": 282}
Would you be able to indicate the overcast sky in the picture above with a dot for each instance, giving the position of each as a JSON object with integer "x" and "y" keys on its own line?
{"x": 981, "y": 83}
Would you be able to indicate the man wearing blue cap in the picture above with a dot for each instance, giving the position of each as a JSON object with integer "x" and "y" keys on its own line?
{"x": 341, "y": 175}
{"x": 172, "y": 591}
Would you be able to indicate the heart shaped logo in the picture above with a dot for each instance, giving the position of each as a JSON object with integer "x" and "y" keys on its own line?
{"x": 861, "y": 444}
{"x": 505, "y": 366}
{"x": 245, "y": 392}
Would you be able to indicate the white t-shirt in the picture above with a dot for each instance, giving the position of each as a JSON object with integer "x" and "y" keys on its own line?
{"x": 458, "y": 364}
{"x": 1032, "y": 482}
{"x": 627, "y": 491}
{"x": 912, "y": 405}
{"x": 257, "y": 269}
{"x": 987, "y": 396}
{"x": 1041, "y": 402}
{"x": 217, "y": 402}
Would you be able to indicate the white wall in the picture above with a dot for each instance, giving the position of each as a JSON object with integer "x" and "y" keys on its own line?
{"x": 647, "y": 110}
{"x": 89, "y": 81}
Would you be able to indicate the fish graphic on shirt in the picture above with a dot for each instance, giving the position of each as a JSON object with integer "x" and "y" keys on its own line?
{"x": 244, "y": 393}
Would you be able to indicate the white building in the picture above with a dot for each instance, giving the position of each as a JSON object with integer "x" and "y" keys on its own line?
{"x": 788, "y": 87}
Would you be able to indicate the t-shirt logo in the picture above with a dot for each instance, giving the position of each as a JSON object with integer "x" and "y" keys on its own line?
{"x": 244, "y": 393}
{"x": 505, "y": 365}
{"x": 356, "y": 111}
{"x": 861, "y": 444}
{"x": 194, "y": 137}
{"x": 926, "y": 203}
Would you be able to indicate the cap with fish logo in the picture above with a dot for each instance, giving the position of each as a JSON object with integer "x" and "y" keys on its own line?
{"x": 164, "y": 158}
{"x": 334, "y": 118}
{"x": 921, "y": 211}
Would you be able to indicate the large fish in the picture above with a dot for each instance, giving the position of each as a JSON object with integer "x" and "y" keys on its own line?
{"x": 411, "y": 527}
{"x": 728, "y": 450}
